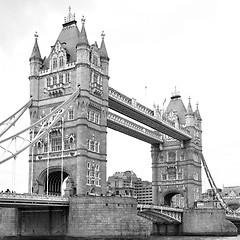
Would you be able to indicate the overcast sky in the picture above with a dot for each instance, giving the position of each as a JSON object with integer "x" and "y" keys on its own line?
{"x": 193, "y": 45}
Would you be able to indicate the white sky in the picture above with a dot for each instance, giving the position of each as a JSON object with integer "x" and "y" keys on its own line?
{"x": 193, "y": 45}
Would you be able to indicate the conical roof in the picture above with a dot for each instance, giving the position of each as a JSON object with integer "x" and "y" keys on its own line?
{"x": 189, "y": 108}
{"x": 83, "y": 35}
{"x": 35, "y": 52}
{"x": 197, "y": 113}
{"x": 103, "y": 50}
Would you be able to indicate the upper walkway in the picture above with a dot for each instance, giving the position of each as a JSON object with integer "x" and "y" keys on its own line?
{"x": 132, "y": 109}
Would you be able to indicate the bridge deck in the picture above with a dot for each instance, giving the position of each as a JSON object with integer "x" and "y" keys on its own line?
{"x": 9, "y": 200}
{"x": 160, "y": 214}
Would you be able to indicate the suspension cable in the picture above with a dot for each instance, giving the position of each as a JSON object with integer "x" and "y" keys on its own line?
{"x": 48, "y": 156}
{"x": 14, "y": 158}
{"x": 61, "y": 190}
{"x": 32, "y": 148}
{"x": 214, "y": 187}
{"x": 21, "y": 111}
{"x": 44, "y": 124}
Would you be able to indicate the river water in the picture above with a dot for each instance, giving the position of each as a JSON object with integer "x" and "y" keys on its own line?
{"x": 193, "y": 238}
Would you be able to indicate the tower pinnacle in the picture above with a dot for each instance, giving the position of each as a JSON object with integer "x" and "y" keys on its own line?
{"x": 175, "y": 94}
{"x": 189, "y": 108}
{"x": 103, "y": 35}
{"x": 70, "y": 18}
{"x": 103, "y": 50}
{"x": 197, "y": 113}
{"x": 83, "y": 20}
{"x": 83, "y": 36}
{"x": 35, "y": 52}
{"x": 36, "y": 35}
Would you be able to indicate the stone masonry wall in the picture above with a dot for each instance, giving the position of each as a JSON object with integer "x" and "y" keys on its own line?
{"x": 210, "y": 222}
{"x": 109, "y": 217}
{"x": 8, "y": 222}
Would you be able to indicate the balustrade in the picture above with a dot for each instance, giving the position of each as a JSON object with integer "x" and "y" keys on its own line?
{"x": 6, "y": 195}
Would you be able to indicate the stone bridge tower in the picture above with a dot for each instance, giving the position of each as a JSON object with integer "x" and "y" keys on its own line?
{"x": 75, "y": 149}
{"x": 176, "y": 166}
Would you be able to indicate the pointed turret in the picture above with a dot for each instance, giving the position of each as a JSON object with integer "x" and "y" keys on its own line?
{"x": 189, "y": 114}
{"x": 35, "y": 52}
{"x": 197, "y": 114}
{"x": 35, "y": 59}
{"x": 189, "y": 108}
{"x": 83, "y": 35}
{"x": 103, "y": 50}
{"x": 103, "y": 55}
{"x": 83, "y": 47}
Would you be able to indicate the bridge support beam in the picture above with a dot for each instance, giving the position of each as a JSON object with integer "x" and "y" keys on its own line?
{"x": 155, "y": 151}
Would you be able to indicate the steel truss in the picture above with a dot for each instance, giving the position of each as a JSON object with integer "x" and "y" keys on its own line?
{"x": 11, "y": 146}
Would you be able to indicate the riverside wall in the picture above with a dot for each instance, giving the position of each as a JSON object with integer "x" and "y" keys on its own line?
{"x": 106, "y": 217}
{"x": 207, "y": 222}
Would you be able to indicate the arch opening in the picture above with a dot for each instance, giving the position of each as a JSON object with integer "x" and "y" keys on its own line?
{"x": 54, "y": 183}
{"x": 174, "y": 199}
{"x": 55, "y": 186}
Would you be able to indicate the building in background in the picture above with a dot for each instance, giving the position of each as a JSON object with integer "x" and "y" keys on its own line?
{"x": 128, "y": 184}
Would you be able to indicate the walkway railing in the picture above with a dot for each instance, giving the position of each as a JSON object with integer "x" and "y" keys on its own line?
{"x": 15, "y": 199}
{"x": 161, "y": 211}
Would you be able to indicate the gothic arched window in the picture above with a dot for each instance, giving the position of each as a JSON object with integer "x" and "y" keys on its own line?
{"x": 172, "y": 157}
{"x": 54, "y": 63}
{"x": 61, "y": 61}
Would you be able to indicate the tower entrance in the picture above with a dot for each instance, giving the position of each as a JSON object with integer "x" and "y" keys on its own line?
{"x": 174, "y": 199}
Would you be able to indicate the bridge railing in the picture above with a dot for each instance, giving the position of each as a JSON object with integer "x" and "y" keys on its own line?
{"x": 157, "y": 207}
{"x": 4, "y": 195}
{"x": 174, "y": 213}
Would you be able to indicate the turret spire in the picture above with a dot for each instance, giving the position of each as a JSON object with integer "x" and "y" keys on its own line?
{"x": 35, "y": 52}
{"x": 83, "y": 36}
{"x": 103, "y": 50}
{"x": 189, "y": 108}
{"x": 197, "y": 113}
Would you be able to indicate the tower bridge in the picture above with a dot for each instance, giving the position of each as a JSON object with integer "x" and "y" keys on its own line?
{"x": 67, "y": 142}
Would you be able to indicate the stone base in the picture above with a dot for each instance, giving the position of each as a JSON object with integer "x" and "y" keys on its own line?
{"x": 8, "y": 222}
{"x": 103, "y": 217}
{"x": 207, "y": 222}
